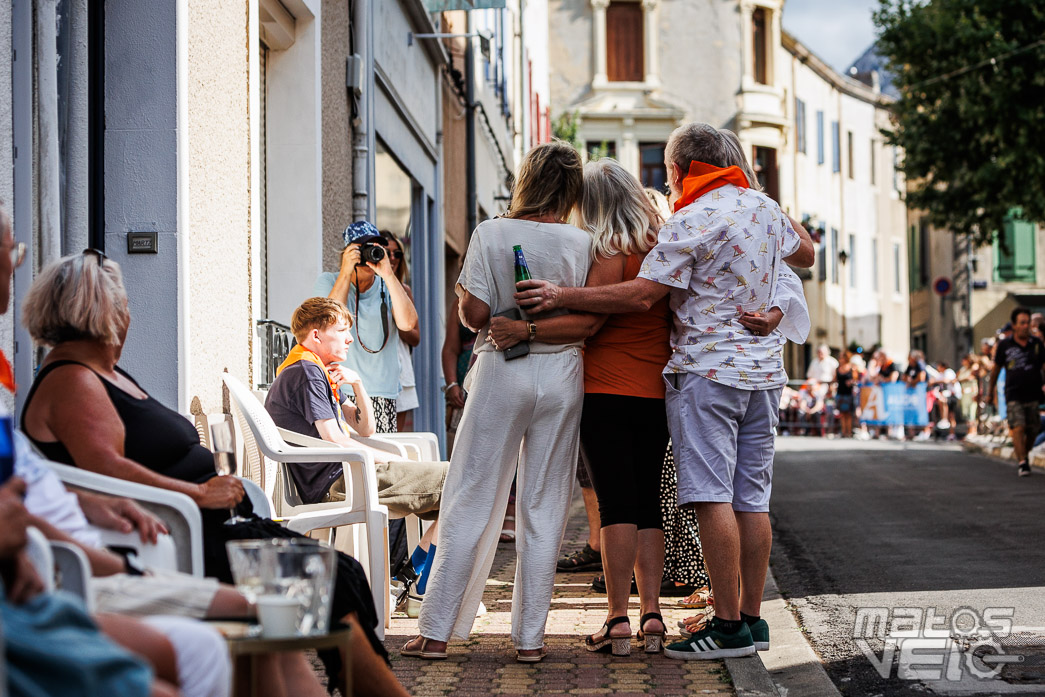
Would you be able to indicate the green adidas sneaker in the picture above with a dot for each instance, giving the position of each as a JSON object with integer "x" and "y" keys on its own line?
{"x": 760, "y": 634}
{"x": 710, "y": 642}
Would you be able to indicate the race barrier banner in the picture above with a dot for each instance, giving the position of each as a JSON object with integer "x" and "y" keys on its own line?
{"x": 893, "y": 404}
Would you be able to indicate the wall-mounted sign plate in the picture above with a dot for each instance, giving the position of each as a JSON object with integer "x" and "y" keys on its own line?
{"x": 141, "y": 243}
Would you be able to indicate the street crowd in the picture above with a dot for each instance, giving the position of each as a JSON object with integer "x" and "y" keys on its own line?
{"x": 958, "y": 403}
{"x": 639, "y": 336}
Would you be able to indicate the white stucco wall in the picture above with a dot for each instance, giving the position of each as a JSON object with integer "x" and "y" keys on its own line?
{"x": 295, "y": 164}
{"x": 220, "y": 324}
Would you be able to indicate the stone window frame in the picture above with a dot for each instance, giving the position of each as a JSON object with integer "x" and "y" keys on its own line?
{"x": 650, "y": 46}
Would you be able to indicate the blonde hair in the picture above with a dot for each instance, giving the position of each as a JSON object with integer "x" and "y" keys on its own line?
{"x": 74, "y": 298}
{"x": 317, "y": 313}
{"x": 703, "y": 142}
{"x": 659, "y": 201}
{"x": 616, "y": 211}
{"x": 550, "y": 180}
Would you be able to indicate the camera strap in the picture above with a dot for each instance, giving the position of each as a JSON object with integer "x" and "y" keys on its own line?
{"x": 384, "y": 319}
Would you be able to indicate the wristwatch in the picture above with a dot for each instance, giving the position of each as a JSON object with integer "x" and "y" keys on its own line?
{"x": 446, "y": 388}
{"x": 531, "y": 327}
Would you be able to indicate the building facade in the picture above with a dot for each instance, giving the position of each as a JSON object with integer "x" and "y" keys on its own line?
{"x": 217, "y": 150}
{"x": 962, "y": 294}
{"x": 811, "y": 135}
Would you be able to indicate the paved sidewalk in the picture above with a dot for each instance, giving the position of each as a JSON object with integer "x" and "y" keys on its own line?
{"x": 485, "y": 664}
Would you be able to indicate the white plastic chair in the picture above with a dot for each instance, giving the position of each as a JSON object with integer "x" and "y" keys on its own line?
{"x": 360, "y": 507}
{"x": 183, "y": 551}
{"x": 61, "y": 565}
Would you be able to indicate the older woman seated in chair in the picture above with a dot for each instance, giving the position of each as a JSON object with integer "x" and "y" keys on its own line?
{"x": 83, "y": 410}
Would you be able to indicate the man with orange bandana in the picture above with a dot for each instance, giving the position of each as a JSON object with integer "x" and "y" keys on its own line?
{"x": 726, "y": 371}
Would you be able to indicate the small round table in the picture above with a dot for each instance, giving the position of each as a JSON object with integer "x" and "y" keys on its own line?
{"x": 253, "y": 646}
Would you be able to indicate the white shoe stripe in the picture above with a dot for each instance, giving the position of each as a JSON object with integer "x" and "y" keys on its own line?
{"x": 708, "y": 644}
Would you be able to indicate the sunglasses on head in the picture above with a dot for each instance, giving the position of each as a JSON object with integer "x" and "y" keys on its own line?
{"x": 97, "y": 253}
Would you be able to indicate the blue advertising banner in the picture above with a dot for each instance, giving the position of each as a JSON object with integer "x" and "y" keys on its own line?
{"x": 893, "y": 404}
{"x": 447, "y": 5}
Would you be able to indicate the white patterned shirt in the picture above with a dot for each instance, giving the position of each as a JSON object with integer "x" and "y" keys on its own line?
{"x": 720, "y": 256}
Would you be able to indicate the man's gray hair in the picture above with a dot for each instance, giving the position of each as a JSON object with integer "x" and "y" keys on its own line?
{"x": 714, "y": 146}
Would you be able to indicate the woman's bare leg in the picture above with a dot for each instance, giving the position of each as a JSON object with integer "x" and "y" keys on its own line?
{"x": 142, "y": 640}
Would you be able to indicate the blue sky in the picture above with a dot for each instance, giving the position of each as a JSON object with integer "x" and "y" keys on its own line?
{"x": 838, "y": 31}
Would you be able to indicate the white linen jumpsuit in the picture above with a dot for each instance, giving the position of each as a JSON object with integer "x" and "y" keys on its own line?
{"x": 526, "y": 412}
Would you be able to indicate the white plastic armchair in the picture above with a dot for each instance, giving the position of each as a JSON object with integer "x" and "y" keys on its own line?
{"x": 61, "y": 565}
{"x": 360, "y": 507}
{"x": 182, "y": 550}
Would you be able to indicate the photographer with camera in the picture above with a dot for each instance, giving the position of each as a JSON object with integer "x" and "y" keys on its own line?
{"x": 368, "y": 286}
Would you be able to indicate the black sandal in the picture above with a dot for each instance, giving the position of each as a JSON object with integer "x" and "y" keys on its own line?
{"x": 653, "y": 641}
{"x": 585, "y": 560}
{"x": 618, "y": 646}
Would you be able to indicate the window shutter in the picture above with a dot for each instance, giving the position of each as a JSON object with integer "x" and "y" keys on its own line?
{"x": 624, "y": 47}
{"x": 1014, "y": 251}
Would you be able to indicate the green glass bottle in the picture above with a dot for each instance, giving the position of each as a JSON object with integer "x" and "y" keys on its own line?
{"x": 522, "y": 271}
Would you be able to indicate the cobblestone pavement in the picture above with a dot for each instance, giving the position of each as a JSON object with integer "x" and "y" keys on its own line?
{"x": 485, "y": 664}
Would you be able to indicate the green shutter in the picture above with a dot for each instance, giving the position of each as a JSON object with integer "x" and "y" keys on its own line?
{"x": 1015, "y": 252}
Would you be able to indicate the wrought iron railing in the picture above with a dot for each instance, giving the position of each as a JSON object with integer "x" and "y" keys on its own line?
{"x": 276, "y": 342}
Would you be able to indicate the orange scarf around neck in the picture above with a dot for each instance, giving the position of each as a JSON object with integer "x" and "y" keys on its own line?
{"x": 703, "y": 178}
{"x": 300, "y": 353}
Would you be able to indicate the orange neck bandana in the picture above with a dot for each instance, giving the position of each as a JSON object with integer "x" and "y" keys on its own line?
{"x": 300, "y": 353}
{"x": 703, "y": 178}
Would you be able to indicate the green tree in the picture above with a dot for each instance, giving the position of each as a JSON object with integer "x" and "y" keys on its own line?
{"x": 565, "y": 128}
{"x": 971, "y": 77}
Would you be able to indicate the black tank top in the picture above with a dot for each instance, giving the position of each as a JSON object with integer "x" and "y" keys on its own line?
{"x": 155, "y": 437}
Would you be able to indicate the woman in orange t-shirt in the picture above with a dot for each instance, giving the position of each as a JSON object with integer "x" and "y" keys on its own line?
{"x": 623, "y": 428}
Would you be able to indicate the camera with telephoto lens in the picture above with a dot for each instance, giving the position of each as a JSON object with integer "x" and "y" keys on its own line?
{"x": 371, "y": 252}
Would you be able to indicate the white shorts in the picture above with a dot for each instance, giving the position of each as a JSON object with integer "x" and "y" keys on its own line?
{"x": 161, "y": 593}
{"x": 407, "y": 399}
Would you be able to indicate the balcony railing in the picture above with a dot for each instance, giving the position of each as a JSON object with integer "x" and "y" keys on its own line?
{"x": 276, "y": 342}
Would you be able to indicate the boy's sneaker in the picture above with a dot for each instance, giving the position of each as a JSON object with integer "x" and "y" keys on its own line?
{"x": 712, "y": 642}
{"x": 1024, "y": 470}
{"x": 760, "y": 634}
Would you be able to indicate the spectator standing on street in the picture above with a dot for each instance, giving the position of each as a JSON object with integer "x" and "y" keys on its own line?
{"x": 718, "y": 257}
{"x": 1022, "y": 356}
{"x": 915, "y": 373}
{"x": 521, "y": 415}
{"x": 381, "y": 308}
{"x": 969, "y": 386}
{"x": 407, "y": 399}
{"x": 847, "y": 379}
{"x": 823, "y": 367}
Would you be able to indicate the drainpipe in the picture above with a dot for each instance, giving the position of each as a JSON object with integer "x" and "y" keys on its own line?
{"x": 50, "y": 201}
{"x": 361, "y": 138}
{"x": 183, "y": 206}
{"x": 469, "y": 98}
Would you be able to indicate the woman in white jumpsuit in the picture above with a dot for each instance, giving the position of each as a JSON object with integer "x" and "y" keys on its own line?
{"x": 521, "y": 412}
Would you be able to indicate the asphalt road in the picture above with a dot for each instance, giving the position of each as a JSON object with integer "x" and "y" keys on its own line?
{"x": 920, "y": 526}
